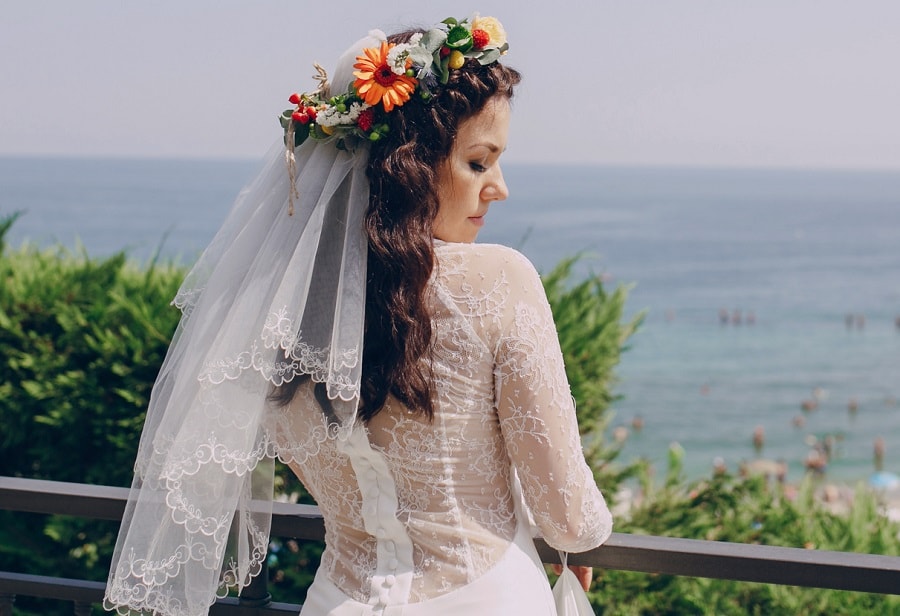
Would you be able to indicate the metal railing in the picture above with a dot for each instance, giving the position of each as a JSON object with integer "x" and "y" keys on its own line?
{"x": 649, "y": 554}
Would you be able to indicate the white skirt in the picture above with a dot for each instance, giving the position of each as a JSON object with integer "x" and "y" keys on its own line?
{"x": 516, "y": 586}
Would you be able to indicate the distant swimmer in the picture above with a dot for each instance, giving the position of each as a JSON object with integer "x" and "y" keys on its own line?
{"x": 815, "y": 461}
{"x": 736, "y": 316}
{"x": 759, "y": 438}
{"x": 878, "y": 451}
{"x": 828, "y": 445}
{"x": 763, "y": 467}
{"x": 719, "y": 466}
{"x": 857, "y": 320}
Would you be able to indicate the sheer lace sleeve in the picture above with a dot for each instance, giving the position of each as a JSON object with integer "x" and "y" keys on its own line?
{"x": 537, "y": 417}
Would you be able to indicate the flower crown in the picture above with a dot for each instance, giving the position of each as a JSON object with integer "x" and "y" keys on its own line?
{"x": 390, "y": 75}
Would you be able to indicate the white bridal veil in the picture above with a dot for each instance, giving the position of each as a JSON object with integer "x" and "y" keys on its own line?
{"x": 272, "y": 298}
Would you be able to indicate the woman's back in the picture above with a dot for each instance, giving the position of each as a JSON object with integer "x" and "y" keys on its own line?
{"x": 423, "y": 507}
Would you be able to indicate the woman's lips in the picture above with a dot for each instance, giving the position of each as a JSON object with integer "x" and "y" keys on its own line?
{"x": 477, "y": 220}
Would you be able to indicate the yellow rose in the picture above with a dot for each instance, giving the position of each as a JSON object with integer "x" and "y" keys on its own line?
{"x": 493, "y": 27}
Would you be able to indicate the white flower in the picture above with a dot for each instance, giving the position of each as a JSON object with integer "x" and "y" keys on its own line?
{"x": 333, "y": 117}
{"x": 400, "y": 53}
{"x": 397, "y": 56}
{"x": 493, "y": 27}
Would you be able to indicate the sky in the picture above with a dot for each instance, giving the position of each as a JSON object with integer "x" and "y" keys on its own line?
{"x": 761, "y": 83}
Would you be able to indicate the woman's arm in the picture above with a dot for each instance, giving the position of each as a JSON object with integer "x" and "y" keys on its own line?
{"x": 537, "y": 417}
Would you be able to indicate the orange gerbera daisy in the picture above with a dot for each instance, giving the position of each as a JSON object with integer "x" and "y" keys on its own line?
{"x": 377, "y": 83}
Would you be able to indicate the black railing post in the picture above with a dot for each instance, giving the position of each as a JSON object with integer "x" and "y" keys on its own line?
{"x": 82, "y": 608}
{"x": 256, "y": 593}
{"x": 6, "y": 603}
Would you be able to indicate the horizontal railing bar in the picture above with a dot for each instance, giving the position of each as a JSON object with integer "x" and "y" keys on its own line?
{"x": 231, "y": 607}
{"x": 741, "y": 562}
{"x": 649, "y": 554}
{"x": 51, "y": 588}
{"x": 64, "y": 589}
{"x": 61, "y": 497}
{"x": 108, "y": 503}
{"x": 298, "y": 522}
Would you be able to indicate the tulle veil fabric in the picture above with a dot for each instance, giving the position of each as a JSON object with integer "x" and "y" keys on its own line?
{"x": 273, "y": 298}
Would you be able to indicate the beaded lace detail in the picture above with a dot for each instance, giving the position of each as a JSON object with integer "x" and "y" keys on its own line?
{"x": 502, "y": 403}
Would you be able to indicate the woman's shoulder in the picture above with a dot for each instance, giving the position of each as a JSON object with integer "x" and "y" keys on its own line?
{"x": 485, "y": 259}
{"x": 487, "y": 275}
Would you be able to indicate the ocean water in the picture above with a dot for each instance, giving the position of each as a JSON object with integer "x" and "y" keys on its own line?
{"x": 794, "y": 253}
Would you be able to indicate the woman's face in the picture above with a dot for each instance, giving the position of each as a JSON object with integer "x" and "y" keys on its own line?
{"x": 470, "y": 179}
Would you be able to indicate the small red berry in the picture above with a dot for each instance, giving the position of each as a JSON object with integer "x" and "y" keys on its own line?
{"x": 365, "y": 120}
{"x": 294, "y": 99}
{"x": 480, "y": 38}
{"x": 311, "y": 112}
{"x": 445, "y": 51}
{"x": 299, "y": 116}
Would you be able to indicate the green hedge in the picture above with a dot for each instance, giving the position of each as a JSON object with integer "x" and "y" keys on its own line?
{"x": 755, "y": 511}
{"x": 81, "y": 341}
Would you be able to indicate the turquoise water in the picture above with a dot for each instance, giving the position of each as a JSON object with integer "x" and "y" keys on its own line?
{"x": 799, "y": 250}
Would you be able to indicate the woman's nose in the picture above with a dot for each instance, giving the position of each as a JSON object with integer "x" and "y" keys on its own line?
{"x": 497, "y": 189}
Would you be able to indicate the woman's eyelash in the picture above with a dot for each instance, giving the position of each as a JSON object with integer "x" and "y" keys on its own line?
{"x": 478, "y": 167}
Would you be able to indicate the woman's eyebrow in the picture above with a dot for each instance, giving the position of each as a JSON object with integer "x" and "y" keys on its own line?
{"x": 493, "y": 147}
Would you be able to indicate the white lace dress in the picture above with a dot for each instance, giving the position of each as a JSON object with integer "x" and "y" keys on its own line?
{"x": 424, "y": 517}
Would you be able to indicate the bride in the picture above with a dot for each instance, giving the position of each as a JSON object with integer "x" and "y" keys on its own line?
{"x": 345, "y": 322}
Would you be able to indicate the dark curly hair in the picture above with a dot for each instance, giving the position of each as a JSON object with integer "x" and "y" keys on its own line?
{"x": 403, "y": 204}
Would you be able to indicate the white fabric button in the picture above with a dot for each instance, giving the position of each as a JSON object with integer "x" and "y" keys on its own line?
{"x": 380, "y": 533}
{"x": 390, "y": 581}
{"x": 389, "y": 546}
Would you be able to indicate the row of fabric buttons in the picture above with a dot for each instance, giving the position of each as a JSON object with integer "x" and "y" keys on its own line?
{"x": 371, "y": 509}
{"x": 391, "y": 581}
